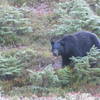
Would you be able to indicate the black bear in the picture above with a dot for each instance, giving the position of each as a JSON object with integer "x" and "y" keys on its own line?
{"x": 77, "y": 44}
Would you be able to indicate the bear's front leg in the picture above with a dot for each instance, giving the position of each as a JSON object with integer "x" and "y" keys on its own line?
{"x": 65, "y": 62}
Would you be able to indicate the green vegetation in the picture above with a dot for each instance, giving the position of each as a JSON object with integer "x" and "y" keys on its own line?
{"x": 12, "y": 24}
{"x": 15, "y": 70}
{"x": 75, "y": 15}
{"x": 28, "y": 67}
{"x": 88, "y": 67}
{"x": 14, "y": 63}
{"x": 46, "y": 78}
{"x": 9, "y": 67}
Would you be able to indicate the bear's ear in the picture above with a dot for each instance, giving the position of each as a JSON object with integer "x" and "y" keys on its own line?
{"x": 52, "y": 42}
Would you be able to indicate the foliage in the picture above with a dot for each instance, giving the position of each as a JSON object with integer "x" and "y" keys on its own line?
{"x": 88, "y": 67}
{"x": 46, "y": 78}
{"x": 74, "y": 16}
{"x": 16, "y": 65}
{"x": 10, "y": 67}
{"x": 33, "y": 58}
{"x": 26, "y": 57}
{"x": 85, "y": 71}
{"x": 12, "y": 23}
{"x": 13, "y": 64}
{"x": 29, "y": 2}
{"x": 66, "y": 77}
{"x": 74, "y": 77}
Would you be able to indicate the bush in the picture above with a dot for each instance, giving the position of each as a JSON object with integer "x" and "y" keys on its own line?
{"x": 88, "y": 67}
{"x": 14, "y": 63}
{"x": 86, "y": 70}
{"x": 26, "y": 57}
{"x": 10, "y": 67}
{"x": 12, "y": 24}
{"x": 29, "y": 2}
{"x": 46, "y": 78}
{"x": 74, "y": 16}
{"x": 66, "y": 77}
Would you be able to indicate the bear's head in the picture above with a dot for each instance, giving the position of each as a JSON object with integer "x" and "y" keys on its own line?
{"x": 57, "y": 48}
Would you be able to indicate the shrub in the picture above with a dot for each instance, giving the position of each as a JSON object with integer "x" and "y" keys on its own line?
{"x": 86, "y": 70}
{"x": 12, "y": 24}
{"x": 14, "y": 63}
{"x": 26, "y": 57}
{"x": 74, "y": 16}
{"x": 88, "y": 67}
{"x": 46, "y": 78}
{"x": 29, "y": 2}
{"x": 10, "y": 67}
{"x": 66, "y": 77}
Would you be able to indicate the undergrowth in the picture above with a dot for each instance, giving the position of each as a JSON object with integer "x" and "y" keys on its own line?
{"x": 13, "y": 23}
{"x": 74, "y": 16}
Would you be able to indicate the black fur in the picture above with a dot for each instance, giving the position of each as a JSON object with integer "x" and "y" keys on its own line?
{"x": 76, "y": 45}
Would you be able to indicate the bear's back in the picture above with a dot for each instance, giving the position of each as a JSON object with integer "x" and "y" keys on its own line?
{"x": 82, "y": 40}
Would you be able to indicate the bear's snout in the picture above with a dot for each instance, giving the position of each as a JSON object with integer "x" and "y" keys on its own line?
{"x": 55, "y": 53}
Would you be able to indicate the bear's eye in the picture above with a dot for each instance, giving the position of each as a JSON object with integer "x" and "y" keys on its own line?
{"x": 52, "y": 42}
{"x": 62, "y": 43}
